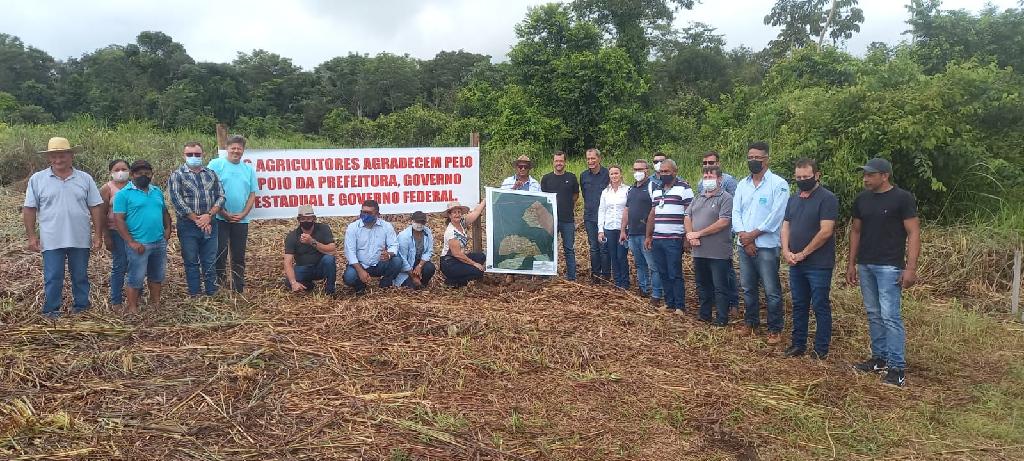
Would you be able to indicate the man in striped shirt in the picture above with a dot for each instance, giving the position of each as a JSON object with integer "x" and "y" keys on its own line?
{"x": 665, "y": 231}
{"x": 197, "y": 196}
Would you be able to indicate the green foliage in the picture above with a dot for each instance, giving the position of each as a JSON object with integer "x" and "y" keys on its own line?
{"x": 945, "y": 36}
{"x": 808, "y": 22}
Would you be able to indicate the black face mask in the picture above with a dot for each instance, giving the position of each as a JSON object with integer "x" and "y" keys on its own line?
{"x": 142, "y": 182}
{"x": 755, "y": 166}
{"x": 806, "y": 184}
{"x": 306, "y": 225}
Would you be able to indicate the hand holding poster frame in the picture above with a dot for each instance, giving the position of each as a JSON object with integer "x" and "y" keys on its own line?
{"x": 521, "y": 232}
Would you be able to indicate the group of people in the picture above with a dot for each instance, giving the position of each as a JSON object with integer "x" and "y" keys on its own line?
{"x": 658, "y": 219}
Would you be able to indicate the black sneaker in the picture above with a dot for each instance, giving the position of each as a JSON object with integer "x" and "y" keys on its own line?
{"x": 872, "y": 365}
{"x": 817, "y": 355}
{"x": 794, "y": 351}
{"x": 894, "y": 377}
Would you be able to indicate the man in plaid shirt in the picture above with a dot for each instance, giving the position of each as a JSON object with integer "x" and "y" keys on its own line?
{"x": 197, "y": 196}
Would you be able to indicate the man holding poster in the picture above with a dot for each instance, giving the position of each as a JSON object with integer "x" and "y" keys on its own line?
{"x": 371, "y": 249}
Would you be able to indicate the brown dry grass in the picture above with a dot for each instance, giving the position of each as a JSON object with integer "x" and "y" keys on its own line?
{"x": 532, "y": 370}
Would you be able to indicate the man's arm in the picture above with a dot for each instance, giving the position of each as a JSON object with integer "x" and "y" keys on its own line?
{"x": 99, "y": 225}
{"x": 649, "y": 234}
{"x": 350, "y": 248}
{"x": 249, "y": 202}
{"x": 825, "y": 229}
{"x": 177, "y": 193}
{"x": 28, "y": 218}
{"x": 167, "y": 224}
{"x": 913, "y": 228}
{"x": 851, "y": 260}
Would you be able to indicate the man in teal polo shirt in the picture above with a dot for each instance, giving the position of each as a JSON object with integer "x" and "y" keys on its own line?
{"x": 239, "y": 181}
{"x": 142, "y": 219}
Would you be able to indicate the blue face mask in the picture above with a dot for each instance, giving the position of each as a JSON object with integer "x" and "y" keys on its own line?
{"x": 367, "y": 219}
{"x": 193, "y": 161}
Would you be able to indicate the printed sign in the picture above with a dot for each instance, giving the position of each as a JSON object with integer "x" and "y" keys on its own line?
{"x": 521, "y": 237}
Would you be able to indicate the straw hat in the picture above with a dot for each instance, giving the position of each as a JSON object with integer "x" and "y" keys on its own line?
{"x": 522, "y": 159}
{"x": 455, "y": 204}
{"x": 59, "y": 145}
{"x": 306, "y": 210}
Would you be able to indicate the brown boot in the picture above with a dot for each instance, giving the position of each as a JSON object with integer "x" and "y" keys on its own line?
{"x": 774, "y": 338}
{"x": 746, "y": 331}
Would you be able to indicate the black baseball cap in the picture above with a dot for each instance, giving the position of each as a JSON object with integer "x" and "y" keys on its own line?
{"x": 419, "y": 216}
{"x": 876, "y": 165}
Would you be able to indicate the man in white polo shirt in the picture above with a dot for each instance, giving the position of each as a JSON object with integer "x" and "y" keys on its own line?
{"x": 665, "y": 231}
{"x": 63, "y": 200}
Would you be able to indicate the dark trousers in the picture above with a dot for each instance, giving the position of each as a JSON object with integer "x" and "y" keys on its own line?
{"x": 712, "y": 287}
{"x": 233, "y": 237}
{"x": 668, "y": 255}
{"x": 810, "y": 288}
{"x": 600, "y": 265}
{"x": 457, "y": 273}
{"x": 326, "y": 270}
{"x": 386, "y": 270}
{"x": 426, "y": 273}
{"x": 617, "y": 258}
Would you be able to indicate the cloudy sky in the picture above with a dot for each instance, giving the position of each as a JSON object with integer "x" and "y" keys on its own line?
{"x": 312, "y": 31}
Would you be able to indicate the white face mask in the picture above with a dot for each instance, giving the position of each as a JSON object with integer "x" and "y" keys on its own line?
{"x": 657, "y": 166}
{"x": 119, "y": 176}
{"x": 418, "y": 226}
{"x": 638, "y": 175}
{"x": 709, "y": 184}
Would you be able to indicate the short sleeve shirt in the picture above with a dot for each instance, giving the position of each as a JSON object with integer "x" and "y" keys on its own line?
{"x": 63, "y": 208}
{"x": 450, "y": 233}
{"x": 306, "y": 254}
{"x": 804, "y": 216}
{"x": 670, "y": 209}
{"x": 238, "y": 180}
{"x": 638, "y": 208}
{"x": 883, "y": 239}
{"x": 564, "y": 186}
{"x": 703, "y": 212}
{"x": 143, "y": 212}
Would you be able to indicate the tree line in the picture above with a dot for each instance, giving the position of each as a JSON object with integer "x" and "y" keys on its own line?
{"x": 945, "y": 106}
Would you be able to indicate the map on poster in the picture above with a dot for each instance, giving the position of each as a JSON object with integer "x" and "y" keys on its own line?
{"x": 521, "y": 237}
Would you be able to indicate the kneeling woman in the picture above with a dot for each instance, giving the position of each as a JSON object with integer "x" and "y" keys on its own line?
{"x": 458, "y": 266}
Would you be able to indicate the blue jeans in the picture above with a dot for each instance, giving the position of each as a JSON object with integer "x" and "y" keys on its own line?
{"x": 426, "y": 273}
{"x": 712, "y": 284}
{"x": 600, "y": 266}
{"x": 151, "y": 264}
{"x": 386, "y": 270}
{"x": 53, "y": 278}
{"x": 879, "y": 285}
{"x": 763, "y": 268}
{"x": 326, "y": 270}
{"x": 732, "y": 292}
{"x": 646, "y": 270}
{"x": 668, "y": 256}
{"x": 618, "y": 257}
{"x": 198, "y": 255}
{"x": 567, "y": 233}
{"x": 118, "y": 267}
{"x": 810, "y": 287}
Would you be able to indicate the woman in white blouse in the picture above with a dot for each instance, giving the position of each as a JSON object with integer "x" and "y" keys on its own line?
{"x": 609, "y": 225}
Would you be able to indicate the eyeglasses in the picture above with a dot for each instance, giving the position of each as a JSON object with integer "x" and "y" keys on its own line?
{"x": 639, "y": 169}
{"x": 193, "y": 154}
{"x": 710, "y": 162}
{"x": 523, "y": 167}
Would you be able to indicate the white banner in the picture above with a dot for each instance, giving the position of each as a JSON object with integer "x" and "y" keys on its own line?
{"x": 337, "y": 181}
{"x": 521, "y": 232}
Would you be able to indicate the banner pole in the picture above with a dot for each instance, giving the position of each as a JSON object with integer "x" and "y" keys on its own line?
{"x": 478, "y": 241}
{"x": 222, "y": 136}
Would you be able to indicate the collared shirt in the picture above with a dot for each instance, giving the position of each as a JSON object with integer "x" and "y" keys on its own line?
{"x": 761, "y": 207}
{"x": 239, "y": 181}
{"x": 728, "y": 183}
{"x": 591, "y": 186}
{"x": 407, "y": 250}
{"x": 143, "y": 212}
{"x": 804, "y": 216}
{"x": 194, "y": 192}
{"x": 62, "y": 207}
{"x": 638, "y": 208}
{"x": 609, "y": 211}
{"x": 364, "y": 244}
{"x": 530, "y": 185}
{"x": 705, "y": 211}
{"x": 670, "y": 210}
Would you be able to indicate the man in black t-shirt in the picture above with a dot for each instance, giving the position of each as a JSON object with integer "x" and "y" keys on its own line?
{"x": 809, "y": 247}
{"x": 884, "y": 222}
{"x": 567, "y": 192}
{"x": 309, "y": 254}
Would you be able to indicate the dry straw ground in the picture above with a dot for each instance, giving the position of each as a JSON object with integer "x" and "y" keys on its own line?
{"x": 528, "y": 371}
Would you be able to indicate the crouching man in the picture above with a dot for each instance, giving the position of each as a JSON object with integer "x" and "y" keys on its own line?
{"x": 309, "y": 254}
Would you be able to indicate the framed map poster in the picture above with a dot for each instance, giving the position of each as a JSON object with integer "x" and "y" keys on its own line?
{"x": 521, "y": 232}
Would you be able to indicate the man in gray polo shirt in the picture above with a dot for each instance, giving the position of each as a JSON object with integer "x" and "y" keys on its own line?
{"x": 63, "y": 200}
{"x": 709, "y": 232}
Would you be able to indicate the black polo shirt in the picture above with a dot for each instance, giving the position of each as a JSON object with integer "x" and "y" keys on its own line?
{"x": 591, "y": 186}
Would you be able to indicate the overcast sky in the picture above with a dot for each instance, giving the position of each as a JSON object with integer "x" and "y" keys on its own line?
{"x": 312, "y": 31}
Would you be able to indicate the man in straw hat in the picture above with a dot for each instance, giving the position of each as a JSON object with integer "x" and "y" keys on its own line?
{"x": 63, "y": 200}
{"x": 309, "y": 254}
{"x": 522, "y": 179}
